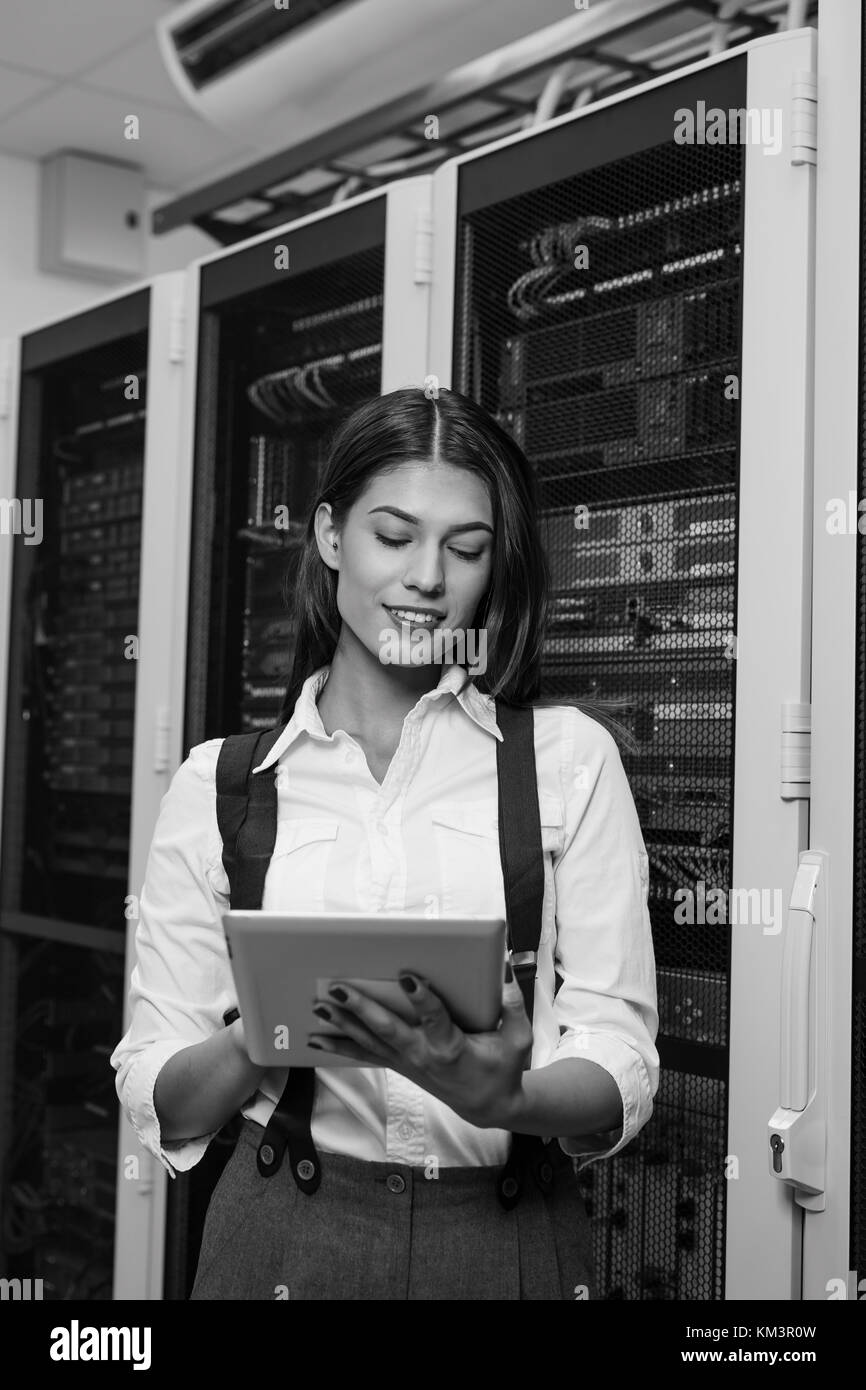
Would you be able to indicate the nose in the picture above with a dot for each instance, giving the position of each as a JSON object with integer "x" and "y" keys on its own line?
{"x": 424, "y": 572}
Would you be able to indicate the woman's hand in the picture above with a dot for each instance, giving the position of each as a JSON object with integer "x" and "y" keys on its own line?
{"x": 477, "y": 1074}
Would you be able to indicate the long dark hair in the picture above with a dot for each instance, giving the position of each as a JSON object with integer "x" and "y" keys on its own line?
{"x": 409, "y": 425}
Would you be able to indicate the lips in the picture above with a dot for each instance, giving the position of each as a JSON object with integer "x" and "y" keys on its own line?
{"x": 417, "y": 620}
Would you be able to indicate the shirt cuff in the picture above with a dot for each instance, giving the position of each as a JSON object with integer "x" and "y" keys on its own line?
{"x": 630, "y": 1074}
{"x": 175, "y": 1155}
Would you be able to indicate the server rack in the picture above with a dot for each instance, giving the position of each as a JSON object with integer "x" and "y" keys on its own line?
{"x": 294, "y": 328}
{"x": 637, "y": 311}
{"x": 834, "y": 1218}
{"x": 69, "y": 621}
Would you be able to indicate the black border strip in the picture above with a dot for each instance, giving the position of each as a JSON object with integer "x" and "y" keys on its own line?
{"x": 319, "y": 243}
{"x": 638, "y": 122}
{"x": 89, "y": 329}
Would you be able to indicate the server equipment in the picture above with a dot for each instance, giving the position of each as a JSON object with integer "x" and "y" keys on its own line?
{"x": 70, "y": 700}
{"x": 293, "y": 329}
{"x": 611, "y": 294}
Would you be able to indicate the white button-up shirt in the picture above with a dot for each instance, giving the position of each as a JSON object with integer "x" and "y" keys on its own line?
{"x": 427, "y": 838}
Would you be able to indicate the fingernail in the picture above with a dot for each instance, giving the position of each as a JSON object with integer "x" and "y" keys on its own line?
{"x": 408, "y": 984}
{"x": 321, "y": 1012}
{"x": 509, "y": 973}
{"x": 338, "y": 994}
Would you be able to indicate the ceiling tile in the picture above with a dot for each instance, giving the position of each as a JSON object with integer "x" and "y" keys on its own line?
{"x": 173, "y": 148}
{"x": 17, "y": 87}
{"x": 138, "y": 71}
{"x": 66, "y": 37}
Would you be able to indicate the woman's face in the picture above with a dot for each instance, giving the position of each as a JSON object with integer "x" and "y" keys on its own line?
{"x": 420, "y": 537}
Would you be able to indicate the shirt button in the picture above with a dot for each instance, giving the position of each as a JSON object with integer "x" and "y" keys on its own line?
{"x": 396, "y": 1183}
{"x": 406, "y": 1130}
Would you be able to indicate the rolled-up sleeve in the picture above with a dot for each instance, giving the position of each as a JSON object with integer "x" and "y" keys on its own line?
{"x": 606, "y": 1006}
{"x": 181, "y": 983}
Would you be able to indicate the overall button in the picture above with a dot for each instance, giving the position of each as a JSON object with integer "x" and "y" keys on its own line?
{"x": 306, "y": 1169}
{"x": 267, "y": 1154}
{"x": 396, "y": 1183}
{"x": 509, "y": 1187}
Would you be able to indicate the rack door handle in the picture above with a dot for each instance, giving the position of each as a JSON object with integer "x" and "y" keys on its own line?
{"x": 797, "y": 1135}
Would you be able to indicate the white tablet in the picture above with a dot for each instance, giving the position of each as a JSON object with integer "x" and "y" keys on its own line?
{"x": 283, "y": 961}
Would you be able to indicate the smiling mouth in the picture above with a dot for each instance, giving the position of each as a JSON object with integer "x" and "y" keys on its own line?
{"x": 412, "y": 617}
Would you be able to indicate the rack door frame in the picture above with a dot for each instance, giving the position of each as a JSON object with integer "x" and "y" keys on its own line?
{"x": 160, "y": 702}
{"x": 762, "y": 1240}
{"x": 166, "y": 515}
{"x": 12, "y": 353}
{"x": 837, "y": 367}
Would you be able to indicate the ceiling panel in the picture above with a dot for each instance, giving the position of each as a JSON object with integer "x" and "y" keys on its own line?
{"x": 173, "y": 148}
{"x": 16, "y": 87}
{"x": 138, "y": 71}
{"x": 67, "y": 37}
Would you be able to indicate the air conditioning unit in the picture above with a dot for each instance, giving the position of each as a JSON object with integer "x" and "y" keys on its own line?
{"x": 276, "y": 72}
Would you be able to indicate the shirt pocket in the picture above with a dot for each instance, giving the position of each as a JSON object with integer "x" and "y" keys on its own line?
{"x": 297, "y": 873}
{"x": 466, "y": 837}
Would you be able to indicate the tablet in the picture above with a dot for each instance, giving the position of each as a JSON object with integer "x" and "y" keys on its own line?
{"x": 283, "y": 961}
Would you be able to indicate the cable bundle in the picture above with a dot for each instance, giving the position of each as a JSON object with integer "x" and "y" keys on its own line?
{"x": 552, "y": 254}
{"x": 282, "y": 394}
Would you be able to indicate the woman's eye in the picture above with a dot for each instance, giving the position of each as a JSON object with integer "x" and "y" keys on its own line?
{"x": 464, "y": 554}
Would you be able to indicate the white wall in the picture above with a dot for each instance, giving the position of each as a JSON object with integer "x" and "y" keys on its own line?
{"x": 28, "y": 297}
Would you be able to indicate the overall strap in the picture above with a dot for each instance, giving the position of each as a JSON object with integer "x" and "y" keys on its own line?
{"x": 246, "y": 809}
{"x": 247, "y": 820}
{"x": 523, "y": 875}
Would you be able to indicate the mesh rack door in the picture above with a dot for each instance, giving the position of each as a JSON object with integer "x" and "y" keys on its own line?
{"x": 67, "y": 793}
{"x": 598, "y": 317}
{"x": 290, "y": 342}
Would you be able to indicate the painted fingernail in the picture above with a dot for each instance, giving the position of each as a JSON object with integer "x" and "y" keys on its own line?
{"x": 338, "y": 994}
{"x": 408, "y": 984}
{"x": 321, "y": 1012}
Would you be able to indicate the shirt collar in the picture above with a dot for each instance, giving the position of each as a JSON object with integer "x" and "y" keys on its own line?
{"x": 306, "y": 718}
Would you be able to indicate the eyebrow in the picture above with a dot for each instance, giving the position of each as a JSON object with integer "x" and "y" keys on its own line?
{"x": 452, "y": 530}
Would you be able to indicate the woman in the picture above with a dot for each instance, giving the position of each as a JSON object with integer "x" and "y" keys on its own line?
{"x": 387, "y": 801}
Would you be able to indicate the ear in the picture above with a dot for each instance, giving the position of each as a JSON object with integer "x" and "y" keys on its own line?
{"x": 327, "y": 536}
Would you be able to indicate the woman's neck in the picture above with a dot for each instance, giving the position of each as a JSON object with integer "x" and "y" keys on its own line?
{"x": 368, "y": 699}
